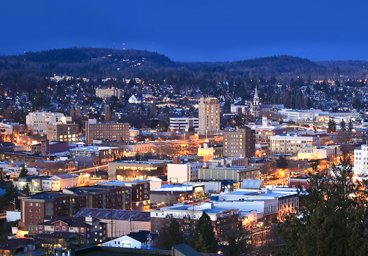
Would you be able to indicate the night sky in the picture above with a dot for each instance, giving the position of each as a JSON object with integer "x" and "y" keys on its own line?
{"x": 197, "y": 30}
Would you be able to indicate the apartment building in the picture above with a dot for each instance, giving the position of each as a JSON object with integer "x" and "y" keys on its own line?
{"x": 209, "y": 116}
{"x": 37, "y": 121}
{"x": 239, "y": 143}
{"x": 58, "y": 131}
{"x": 106, "y": 93}
{"x": 34, "y": 208}
{"x": 286, "y": 144}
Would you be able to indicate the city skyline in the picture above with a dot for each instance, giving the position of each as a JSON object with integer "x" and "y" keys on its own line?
{"x": 191, "y": 31}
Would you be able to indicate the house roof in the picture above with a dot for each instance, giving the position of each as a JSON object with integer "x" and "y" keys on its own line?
{"x": 140, "y": 236}
{"x": 256, "y": 184}
{"x": 70, "y": 221}
{"x": 114, "y": 214}
{"x": 185, "y": 249}
{"x": 15, "y": 243}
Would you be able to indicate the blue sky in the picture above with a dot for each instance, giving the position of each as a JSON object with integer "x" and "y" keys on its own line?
{"x": 199, "y": 30}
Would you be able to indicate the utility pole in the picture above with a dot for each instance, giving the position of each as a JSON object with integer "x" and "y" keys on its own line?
{"x": 112, "y": 227}
{"x": 149, "y": 240}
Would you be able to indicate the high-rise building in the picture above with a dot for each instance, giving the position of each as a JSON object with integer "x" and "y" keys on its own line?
{"x": 209, "y": 116}
{"x": 106, "y": 131}
{"x": 239, "y": 143}
{"x": 62, "y": 132}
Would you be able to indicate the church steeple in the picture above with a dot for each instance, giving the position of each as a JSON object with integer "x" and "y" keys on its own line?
{"x": 256, "y": 98}
{"x": 255, "y": 108}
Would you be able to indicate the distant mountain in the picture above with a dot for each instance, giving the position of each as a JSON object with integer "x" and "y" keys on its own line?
{"x": 102, "y": 62}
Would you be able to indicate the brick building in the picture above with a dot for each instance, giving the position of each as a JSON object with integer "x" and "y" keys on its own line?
{"x": 106, "y": 130}
{"x": 89, "y": 229}
{"x": 63, "y": 132}
{"x": 35, "y": 208}
{"x": 239, "y": 143}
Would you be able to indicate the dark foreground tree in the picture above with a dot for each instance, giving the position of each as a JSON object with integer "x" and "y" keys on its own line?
{"x": 23, "y": 172}
{"x": 333, "y": 219}
{"x": 170, "y": 235}
{"x": 204, "y": 238}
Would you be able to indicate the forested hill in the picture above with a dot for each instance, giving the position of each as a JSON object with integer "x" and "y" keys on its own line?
{"x": 102, "y": 62}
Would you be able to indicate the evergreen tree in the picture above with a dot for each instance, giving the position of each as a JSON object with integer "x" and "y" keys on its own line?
{"x": 351, "y": 127}
{"x": 2, "y": 182}
{"x": 332, "y": 219}
{"x": 10, "y": 193}
{"x": 26, "y": 190}
{"x": 281, "y": 162}
{"x": 331, "y": 126}
{"x": 204, "y": 238}
{"x": 137, "y": 157}
{"x": 23, "y": 172}
{"x": 170, "y": 235}
{"x": 342, "y": 125}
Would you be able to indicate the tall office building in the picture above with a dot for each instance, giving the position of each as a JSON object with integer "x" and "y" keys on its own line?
{"x": 209, "y": 116}
{"x": 239, "y": 143}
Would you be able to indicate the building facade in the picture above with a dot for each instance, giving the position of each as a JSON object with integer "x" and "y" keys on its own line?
{"x": 239, "y": 143}
{"x": 181, "y": 173}
{"x": 63, "y": 132}
{"x": 37, "y": 121}
{"x": 281, "y": 144}
{"x": 106, "y": 131}
{"x": 209, "y": 116}
{"x": 361, "y": 161}
{"x": 184, "y": 123}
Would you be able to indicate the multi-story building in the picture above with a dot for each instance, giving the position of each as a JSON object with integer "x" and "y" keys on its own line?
{"x": 89, "y": 229}
{"x": 361, "y": 161}
{"x": 209, "y": 116}
{"x": 12, "y": 130}
{"x": 181, "y": 173}
{"x": 210, "y": 152}
{"x": 106, "y": 131}
{"x": 131, "y": 170}
{"x": 58, "y": 182}
{"x": 184, "y": 123}
{"x": 319, "y": 152}
{"x": 270, "y": 203}
{"x": 285, "y": 144}
{"x": 34, "y": 208}
{"x": 62, "y": 132}
{"x": 119, "y": 222}
{"x": 169, "y": 194}
{"x": 303, "y": 116}
{"x": 93, "y": 155}
{"x": 239, "y": 143}
{"x": 109, "y": 92}
{"x": 188, "y": 216}
{"x": 140, "y": 192}
{"x": 234, "y": 173}
{"x": 37, "y": 121}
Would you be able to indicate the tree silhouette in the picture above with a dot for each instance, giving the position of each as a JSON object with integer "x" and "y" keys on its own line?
{"x": 332, "y": 219}
{"x": 170, "y": 235}
{"x": 204, "y": 237}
